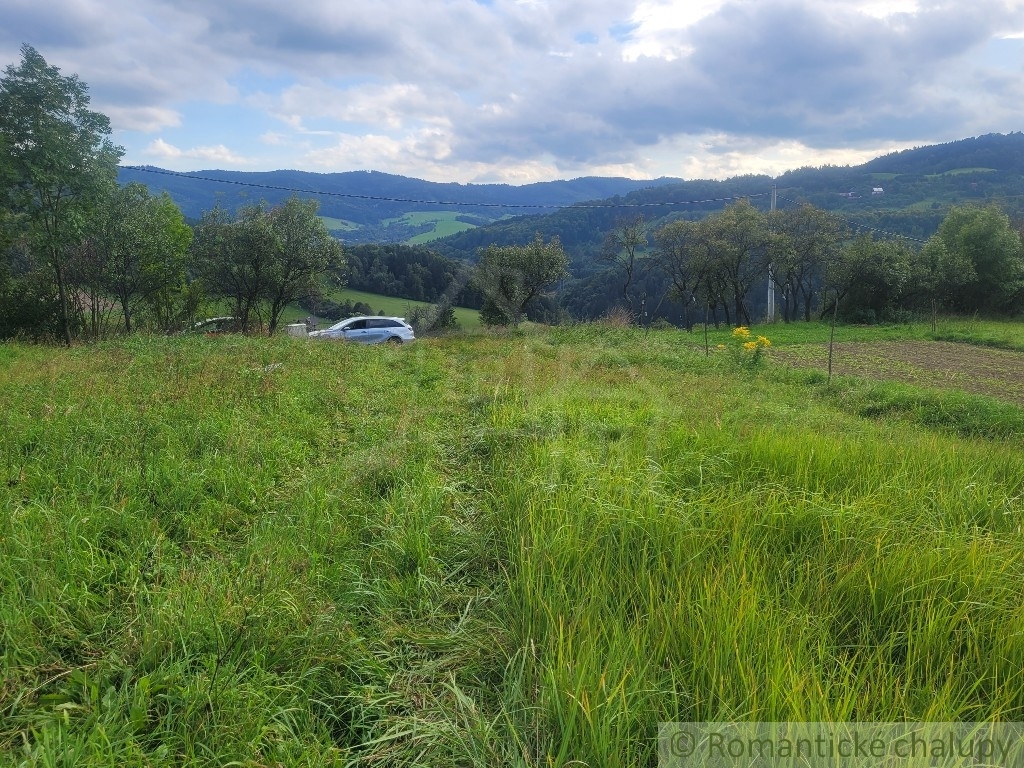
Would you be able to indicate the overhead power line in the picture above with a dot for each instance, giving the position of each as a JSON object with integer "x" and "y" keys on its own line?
{"x": 375, "y": 198}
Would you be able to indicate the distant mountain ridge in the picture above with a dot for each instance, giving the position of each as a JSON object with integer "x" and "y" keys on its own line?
{"x": 905, "y": 192}
{"x": 364, "y": 200}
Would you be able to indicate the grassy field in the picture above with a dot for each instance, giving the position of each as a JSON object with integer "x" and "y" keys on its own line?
{"x": 1003, "y": 334}
{"x": 959, "y": 172}
{"x": 339, "y": 224}
{"x": 468, "y": 319}
{"x": 492, "y": 549}
{"x": 445, "y": 223}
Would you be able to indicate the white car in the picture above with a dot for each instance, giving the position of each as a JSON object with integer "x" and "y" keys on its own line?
{"x": 369, "y": 330}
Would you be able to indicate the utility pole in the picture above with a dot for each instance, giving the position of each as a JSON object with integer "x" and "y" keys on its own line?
{"x": 771, "y": 276}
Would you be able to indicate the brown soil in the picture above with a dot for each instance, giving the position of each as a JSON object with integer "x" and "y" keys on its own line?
{"x": 980, "y": 370}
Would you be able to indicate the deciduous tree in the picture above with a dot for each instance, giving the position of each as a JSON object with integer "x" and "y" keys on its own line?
{"x": 512, "y": 276}
{"x": 806, "y": 239}
{"x": 59, "y": 158}
{"x": 264, "y": 258}
{"x": 980, "y": 265}
{"x": 740, "y": 250}
{"x": 304, "y": 252}
{"x": 622, "y": 247}
{"x": 144, "y": 242}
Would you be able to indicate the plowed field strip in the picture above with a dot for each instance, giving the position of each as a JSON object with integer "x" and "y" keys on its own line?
{"x": 980, "y": 370}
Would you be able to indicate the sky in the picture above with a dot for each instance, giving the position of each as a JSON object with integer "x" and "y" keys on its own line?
{"x": 518, "y": 91}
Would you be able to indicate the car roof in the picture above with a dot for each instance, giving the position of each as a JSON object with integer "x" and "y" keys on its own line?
{"x": 347, "y": 320}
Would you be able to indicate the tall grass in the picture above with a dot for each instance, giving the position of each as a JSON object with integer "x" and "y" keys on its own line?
{"x": 701, "y": 551}
{"x": 523, "y": 549}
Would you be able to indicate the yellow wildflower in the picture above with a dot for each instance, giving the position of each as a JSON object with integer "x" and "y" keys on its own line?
{"x": 721, "y": 346}
{"x": 741, "y": 333}
{"x": 750, "y": 345}
{"x": 764, "y": 341}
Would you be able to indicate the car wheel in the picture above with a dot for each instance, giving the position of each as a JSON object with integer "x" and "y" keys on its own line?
{"x": 394, "y": 340}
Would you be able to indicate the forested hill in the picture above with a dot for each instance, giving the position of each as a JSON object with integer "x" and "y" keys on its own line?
{"x": 906, "y": 193}
{"x": 364, "y": 199}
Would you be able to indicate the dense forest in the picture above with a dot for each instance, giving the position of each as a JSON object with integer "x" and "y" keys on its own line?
{"x": 411, "y": 272}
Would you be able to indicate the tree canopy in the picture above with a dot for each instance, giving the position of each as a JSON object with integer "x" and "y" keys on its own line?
{"x": 58, "y": 160}
{"x": 511, "y": 276}
{"x": 979, "y": 260}
{"x": 263, "y": 259}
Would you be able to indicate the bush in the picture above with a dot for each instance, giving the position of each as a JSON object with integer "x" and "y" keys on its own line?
{"x": 618, "y": 317}
{"x": 436, "y": 317}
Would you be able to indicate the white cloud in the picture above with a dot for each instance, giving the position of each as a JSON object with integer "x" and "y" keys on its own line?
{"x": 164, "y": 151}
{"x": 381, "y": 106}
{"x": 143, "y": 119}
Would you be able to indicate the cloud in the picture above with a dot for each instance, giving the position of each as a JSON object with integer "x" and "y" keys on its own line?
{"x": 164, "y": 152}
{"x": 143, "y": 119}
{"x": 512, "y": 89}
{"x": 789, "y": 71}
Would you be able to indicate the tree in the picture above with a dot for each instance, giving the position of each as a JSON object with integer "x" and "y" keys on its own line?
{"x": 870, "y": 278}
{"x": 683, "y": 255}
{"x": 806, "y": 239}
{"x": 143, "y": 242}
{"x": 232, "y": 257}
{"x": 305, "y": 251}
{"x": 980, "y": 266}
{"x": 621, "y": 247}
{"x": 511, "y": 276}
{"x": 740, "y": 251}
{"x": 59, "y": 159}
{"x": 264, "y": 257}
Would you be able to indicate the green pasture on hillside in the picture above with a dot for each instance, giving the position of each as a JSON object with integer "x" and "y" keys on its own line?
{"x": 339, "y": 224}
{"x": 960, "y": 172}
{"x": 468, "y": 319}
{"x": 1004, "y": 334}
{"x": 445, "y": 223}
{"x": 519, "y": 548}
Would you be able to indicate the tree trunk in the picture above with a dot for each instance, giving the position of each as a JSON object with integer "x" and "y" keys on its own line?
{"x": 62, "y": 294}
{"x": 127, "y": 315}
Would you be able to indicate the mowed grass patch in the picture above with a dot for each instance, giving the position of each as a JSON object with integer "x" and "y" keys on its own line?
{"x": 444, "y": 223}
{"x": 959, "y": 172}
{"x": 516, "y": 549}
{"x": 940, "y": 366}
{"x": 339, "y": 224}
{"x": 1002, "y": 334}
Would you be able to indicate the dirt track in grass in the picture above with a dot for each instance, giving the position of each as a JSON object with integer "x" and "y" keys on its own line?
{"x": 980, "y": 370}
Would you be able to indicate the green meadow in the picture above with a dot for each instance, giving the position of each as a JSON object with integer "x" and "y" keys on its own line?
{"x": 444, "y": 223}
{"x": 522, "y": 548}
{"x": 339, "y": 224}
{"x": 468, "y": 319}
